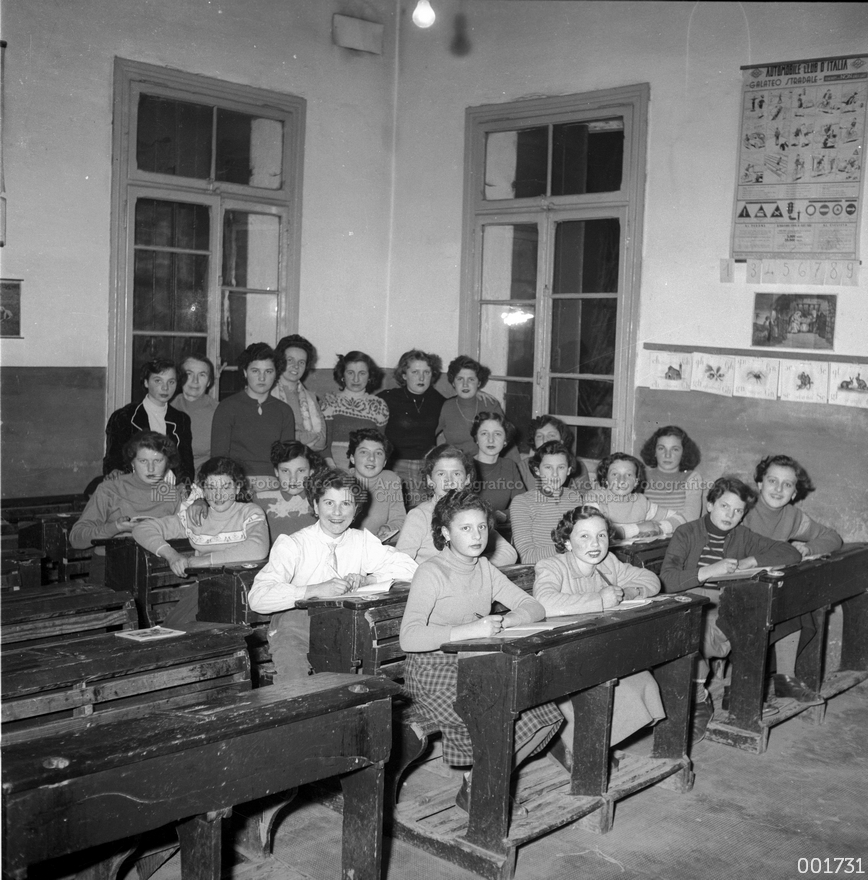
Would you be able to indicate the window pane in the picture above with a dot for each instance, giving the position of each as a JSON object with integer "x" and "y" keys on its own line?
{"x": 591, "y": 442}
{"x": 509, "y": 261}
{"x": 249, "y": 150}
{"x": 172, "y": 224}
{"x": 173, "y": 137}
{"x": 586, "y": 256}
{"x": 251, "y": 250}
{"x": 507, "y": 339}
{"x": 587, "y": 398}
{"x": 517, "y": 400}
{"x": 587, "y": 157}
{"x": 515, "y": 164}
{"x": 245, "y": 318}
{"x": 148, "y": 348}
{"x": 170, "y": 292}
{"x": 583, "y": 336}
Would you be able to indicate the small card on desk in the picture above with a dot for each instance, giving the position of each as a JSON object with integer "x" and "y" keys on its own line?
{"x": 372, "y": 589}
{"x": 151, "y": 634}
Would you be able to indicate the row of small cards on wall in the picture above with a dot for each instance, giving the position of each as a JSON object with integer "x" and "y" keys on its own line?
{"x": 837, "y": 273}
{"x": 842, "y": 383}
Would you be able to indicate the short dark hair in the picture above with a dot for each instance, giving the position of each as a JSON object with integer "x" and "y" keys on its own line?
{"x": 609, "y": 460}
{"x": 286, "y": 451}
{"x": 551, "y": 447}
{"x": 318, "y": 483}
{"x": 562, "y": 531}
{"x": 456, "y": 501}
{"x": 804, "y": 484}
{"x": 540, "y": 422}
{"x": 372, "y": 434}
{"x": 494, "y": 416}
{"x": 154, "y": 441}
{"x": 464, "y": 362}
{"x": 375, "y": 374}
{"x": 207, "y": 361}
{"x": 157, "y": 366}
{"x": 225, "y": 467}
{"x": 447, "y": 450}
{"x": 690, "y": 454}
{"x": 296, "y": 341}
{"x": 415, "y": 354}
{"x": 732, "y": 484}
{"x": 261, "y": 351}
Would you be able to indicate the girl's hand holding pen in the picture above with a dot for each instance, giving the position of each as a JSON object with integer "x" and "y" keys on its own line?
{"x": 489, "y": 626}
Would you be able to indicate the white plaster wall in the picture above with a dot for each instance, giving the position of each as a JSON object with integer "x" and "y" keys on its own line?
{"x": 57, "y": 135}
{"x": 690, "y": 53}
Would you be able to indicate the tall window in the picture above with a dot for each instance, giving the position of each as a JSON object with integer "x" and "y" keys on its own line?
{"x": 205, "y": 221}
{"x": 552, "y": 237}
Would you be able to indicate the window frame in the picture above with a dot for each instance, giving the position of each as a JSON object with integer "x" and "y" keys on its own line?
{"x": 629, "y": 102}
{"x": 128, "y": 182}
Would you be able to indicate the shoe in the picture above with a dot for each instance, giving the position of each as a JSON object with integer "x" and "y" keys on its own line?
{"x": 462, "y": 799}
{"x": 794, "y": 688}
{"x": 768, "y": 709}
{"x": 702, "y": 714}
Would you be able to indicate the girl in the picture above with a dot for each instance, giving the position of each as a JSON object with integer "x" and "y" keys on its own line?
{"x": 673, "y": 481}
{"x": 234, "y": 531}
{"x": 298, "y": 356}
{"x": 450, "y": 599}
{"x": 498, "y": 478}
{"x": 286, "y": 508}
{"x": 198, "y": 376}
{"x": 622, "y": 479}
{"x": 355, "y": 406}
{"x": 585, "y": 577}
{"x": 535, "y": 513}
{"x": 544, "y": 429}
{"x": 116, "y": 504}
{"x": 383, "y": 511}
{"x": 445, "y": 468}
{"x": 468, "y": 378}
{"x": 326, "y": 559}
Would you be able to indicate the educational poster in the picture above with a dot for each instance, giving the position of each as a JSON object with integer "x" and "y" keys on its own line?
{"x": 794, "y": 320}
{"x": 712, "y": 373}
{"x": 10, "y": 307}
{"x": 804, "y": 381}
{"x": 848, "y": 384}
{"x": 799, "y": 184}
{"x": 670, "y": 369}
{"x": 756, "y": 377}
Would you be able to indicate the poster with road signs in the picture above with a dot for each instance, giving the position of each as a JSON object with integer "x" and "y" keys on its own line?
{"x": 800, "y": 156}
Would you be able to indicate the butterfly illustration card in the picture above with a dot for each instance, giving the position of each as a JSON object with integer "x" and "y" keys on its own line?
{"x": 756, "y": 377}
{"x": 669, "y": 369}
{"x": 713, "y": 373}
{"x": 804, "y": 381}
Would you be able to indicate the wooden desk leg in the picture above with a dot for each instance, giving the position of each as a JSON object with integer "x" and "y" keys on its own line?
{"x": 854, "y": 637}
{"x": 200, "y": 839}
{"x": 362, "y": 850}
{"x": 592, "y": 710}
{"x": 675, "y": 680}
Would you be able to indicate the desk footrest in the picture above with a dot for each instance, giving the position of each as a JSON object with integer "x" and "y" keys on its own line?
{"x": 841, "y": 681}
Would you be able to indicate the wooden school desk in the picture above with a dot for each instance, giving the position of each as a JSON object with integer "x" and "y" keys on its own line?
{"x": 500, "y": 677}
{"x": 748, "y": 611}
{"x": 642, "y": 554}
{"x": 49, "y": 533}
{"x": 69, "y": 792}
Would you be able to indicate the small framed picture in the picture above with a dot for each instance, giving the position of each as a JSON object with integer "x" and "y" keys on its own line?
{"x": 10, "y": 307}
{"x": 795, "y": 321}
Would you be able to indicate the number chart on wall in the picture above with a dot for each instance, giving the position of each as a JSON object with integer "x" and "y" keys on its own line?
{"x": 798, "y": 197}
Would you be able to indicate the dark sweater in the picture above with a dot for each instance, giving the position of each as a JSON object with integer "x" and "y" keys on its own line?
{"x": 413, "y": 419}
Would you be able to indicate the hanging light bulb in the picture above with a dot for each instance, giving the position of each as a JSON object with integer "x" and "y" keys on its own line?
{"x": 423, "y": 14}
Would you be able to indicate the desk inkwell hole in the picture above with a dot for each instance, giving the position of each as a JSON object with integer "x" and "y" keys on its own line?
{"x": 54, "y": 763}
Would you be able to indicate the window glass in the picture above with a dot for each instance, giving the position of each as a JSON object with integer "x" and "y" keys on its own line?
{"x": 584, "y": 336}
{"x": 251, "y": 250}
{"x": 516, "y": 164}
{"x": 173, "y": 137}
{"x": 587, "y": 254}
{"x": 245, "y": 318}
{"x": 509, "y": 261}
{"x": 587, "y": 157}
{"x": 249, "y": 150}
{"x": 592, "y": 442}
{"x": 586, "y": 398}
{"x": 507, "y": 343}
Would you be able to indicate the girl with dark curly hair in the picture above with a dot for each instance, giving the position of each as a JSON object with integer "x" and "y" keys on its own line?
{"x": 298, "y": 357}
{"x": 672, "y": 478}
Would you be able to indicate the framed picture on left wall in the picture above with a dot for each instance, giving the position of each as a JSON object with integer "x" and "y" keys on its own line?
{"x": 10, "y": 307}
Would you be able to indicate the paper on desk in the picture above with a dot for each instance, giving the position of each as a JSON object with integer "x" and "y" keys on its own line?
{"x": 743, "y": 574}
{"x": 548, "y": 623}
{"x": 631, "y": 603}
{"x": 149, "y": 635}
{"x": 379, "y": 587}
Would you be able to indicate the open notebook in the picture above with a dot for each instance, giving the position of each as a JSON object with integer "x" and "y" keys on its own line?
{"x": 371, "y": 589}
{"x": 569, "y": 619}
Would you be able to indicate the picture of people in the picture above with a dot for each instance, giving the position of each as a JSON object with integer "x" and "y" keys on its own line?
{"x": 794, "y": 320}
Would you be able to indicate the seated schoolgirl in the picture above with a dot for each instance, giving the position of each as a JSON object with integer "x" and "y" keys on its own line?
{"x": 450, "y": 599}
{"x": 443, "y": 469}
{"x": 234, "y": 530}
{"x": 286, "y": 508}
{"x": 544, "y": 429}
{"x": 116, "y": 504}
{"x": 328, "y": 558}
{"x": 585, "y": 577}
{"x": 382, "y": 512}
{"x": 709, "y": 547}
{"x": 535, "y": 513}
{"x": 783, "y": 482}
{"x": 621, "y": 478}
{"x": 498, "y": 480}
{"x": 673, "y": 481}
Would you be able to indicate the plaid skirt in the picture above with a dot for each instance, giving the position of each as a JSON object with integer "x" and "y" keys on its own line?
{"x": 432, "y": 682}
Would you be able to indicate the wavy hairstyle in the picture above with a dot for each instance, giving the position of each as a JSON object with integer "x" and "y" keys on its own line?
{"x": 261, "y": 351}
{"x": 690, "y": 454}
{"x": 318, "y": 483}
{"x": 225, "y": 467}
{"x": 212, "y": 374}
{"x": 446, "y": 450}
{"x": 154, "y": 441}
{"x": 296, "y": 341}
{"x": 562, "y": 531}
{"x": 804, "y": 484}
{"x": 415, "y": 354}
{"x": 609, "y": 460}
{"x": 540, "y": 422}
{"x": 375, "y": 374}
{"x": 505, "y": 423}
{"x": 282, "y": 452}
{"x": 372, "y": 434}
{"x": 551, "y": 447}
{"x": 465, "y": 362}
{"x": 732, "y": 484}
{"x": 456, "y": 501}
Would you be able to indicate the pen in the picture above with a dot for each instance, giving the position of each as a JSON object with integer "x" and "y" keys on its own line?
{"x": 478, "y": 616}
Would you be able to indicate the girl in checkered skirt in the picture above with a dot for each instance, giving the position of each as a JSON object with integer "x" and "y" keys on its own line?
{"x": 450, "y": 599}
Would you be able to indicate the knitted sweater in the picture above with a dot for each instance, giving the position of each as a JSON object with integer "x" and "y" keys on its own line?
{"x": 286, "y": 514}
{"x": 499, "y": 483}
{"x": 791, "y": 524}
{"x": 413, "y": 418}
{"x": 680, "y": 491}
{"x": 201, "y": 414}
{"x": 384, "y": 502}
{"x": 533, "y": 516}
{"x": 456, "y": 419}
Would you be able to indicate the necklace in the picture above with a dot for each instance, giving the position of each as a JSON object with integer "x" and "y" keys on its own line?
{"x": 475, "y": 408}
{"x": 418, "y": 404}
